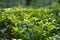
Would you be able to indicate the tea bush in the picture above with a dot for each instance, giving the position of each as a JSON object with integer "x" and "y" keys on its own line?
{"x": 30, "y": 24}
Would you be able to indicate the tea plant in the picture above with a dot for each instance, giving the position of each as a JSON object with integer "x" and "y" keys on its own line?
{"x": 30, "y": 24}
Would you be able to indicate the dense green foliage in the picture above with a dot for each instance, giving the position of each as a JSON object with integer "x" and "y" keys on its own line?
{"x": 30, "y": 24}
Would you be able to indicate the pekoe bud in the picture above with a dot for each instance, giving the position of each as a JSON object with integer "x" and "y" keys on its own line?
{"x": 13, "y": 39}
{"x": 16, "y": 39}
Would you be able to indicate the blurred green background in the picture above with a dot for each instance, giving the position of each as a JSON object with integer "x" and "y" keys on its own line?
{"x": 30, "y": 3}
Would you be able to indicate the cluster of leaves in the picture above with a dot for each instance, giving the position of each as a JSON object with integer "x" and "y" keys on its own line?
{"x": 30, "y": 24}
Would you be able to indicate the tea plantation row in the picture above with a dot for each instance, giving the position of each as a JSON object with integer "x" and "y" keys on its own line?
{"x": 30, "y": 24}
